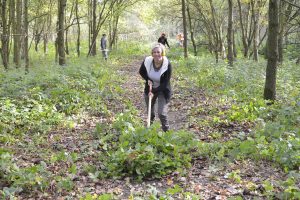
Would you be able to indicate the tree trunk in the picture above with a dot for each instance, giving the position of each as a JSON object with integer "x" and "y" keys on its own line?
{"x": 280, "y": 47}
{"x": 114, "y": 29}
{"x": 184, "y": 28}
{"x": 78, "y": 29}
{"x": 11, "y": 24}
{"x": 282, "y": 21}
{"x": 191, "y": 29}
{"x": 90, "y": 17}
{"x": 37, "y": 39}
{"x": 66, "y": 41}
{"x": 4, "y": 36}
{"x": 255, "y": 18}
{"x": 60, "y": 32}
{"x": 234, "y": 45}
{"x": 26, "y": 36}
{"x": 230, "y": 34}
{"x": 94, "y": 33}
{"x": 244, "y": 28}
{"x": 48, "y": 29}
{"x": 18, "y": 32}
{"x": 68, "y": 23}
{"x": 270, "y": 84}
{"x": 216, "y": 32}
{"x": 45, "y": 42}
{"x": 222, "y": 45}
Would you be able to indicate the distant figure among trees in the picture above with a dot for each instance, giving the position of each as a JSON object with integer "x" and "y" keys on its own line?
{"x": 163, "y": 40}
{"x": 103, "y": 45}
{"x": 180, "y": 39}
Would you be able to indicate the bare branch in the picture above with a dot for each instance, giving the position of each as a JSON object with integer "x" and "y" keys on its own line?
{"x": 297, "y": 6}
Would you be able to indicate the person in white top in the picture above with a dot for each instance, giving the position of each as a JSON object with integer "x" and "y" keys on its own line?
{"x": 156, "y": 70}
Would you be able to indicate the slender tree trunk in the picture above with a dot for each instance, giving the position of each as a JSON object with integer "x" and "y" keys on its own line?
{"x": 48, "y": 29}
{"x": 45, "y": 44}
{"x": 26, "y": 56}
{"x": 230, "y": 34}
{"x": 4, "y": 36}
{"x": 282, "y": 22}
{"x": 67, "y": 24}
{"x": 37, "y": 39}
{"x": 255, "y": 18}
{"x": 184, "y": 28}
{"x": 191, "y": 28}
{"x": 210, "y": 44}
{"x": 216, "y": 32}
{"x": 90, "y": 17}
{"x": 10, "y": 24}
{"x": 66, "y": 41}
{"x": 18, "y": 32}
{"x": 60, "y": 32}
{"x": 270, "y": 84}
{"x": 114, "y": 31}
{"x": 244, "y": 28}
{"x": 12, "y": 20}
{"x": 94, "y": 31}
{"x": 222, "y": 45}
{"x": 234, "y": 45}
{"x": 78, "y": 29}
{"x": 280, "y": 47}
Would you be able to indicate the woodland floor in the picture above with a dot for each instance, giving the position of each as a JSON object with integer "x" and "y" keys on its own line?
{"x": 205, "y": 178}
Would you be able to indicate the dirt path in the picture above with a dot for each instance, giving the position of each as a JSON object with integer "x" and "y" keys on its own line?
{"x": 209, "y": 180}
{"x": 182, "y": 101}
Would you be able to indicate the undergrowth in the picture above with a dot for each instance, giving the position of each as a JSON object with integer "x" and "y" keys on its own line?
{"x": 236, "y": 96}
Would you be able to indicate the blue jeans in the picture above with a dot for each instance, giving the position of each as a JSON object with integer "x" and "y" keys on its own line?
{"x": 105, "y": 53}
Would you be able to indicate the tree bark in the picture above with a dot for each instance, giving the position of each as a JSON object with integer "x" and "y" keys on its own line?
{"x": 48, "y": 28}
{"x": 78, "y": 29}
{"x": 66, "y": 41}
{"x": 68, "y": 23}
{"x": 26, "y": 56}
{"x": 94, "y": 33}
{"x": 183, "y": 7}
{"x": 216, "y": 33}
{"x": 234, "y": 44}
{"x": 244, "y": 28}
{"x": 60, "y": 32}
{"x": 282, "y": 21}
{"x": 191, "y": 28}
{"x": 255, "y": 18}
{"x": 4, "y": 36}
{"x": 11, "y": 25}
{"x": 18, "y": 32}
{"x": 230, "y": 34}
{"x": 114, "y": 31}
{"x": 270, "y": 83}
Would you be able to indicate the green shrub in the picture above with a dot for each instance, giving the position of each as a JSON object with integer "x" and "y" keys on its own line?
{"x": 146, "y": 152}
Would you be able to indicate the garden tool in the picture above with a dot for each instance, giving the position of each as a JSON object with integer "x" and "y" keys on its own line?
{"x": 149, "y": 106}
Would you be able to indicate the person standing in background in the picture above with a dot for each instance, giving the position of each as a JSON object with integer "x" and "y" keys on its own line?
{"x": 163, "y": 40}
{"x": 103, "y": 45}
{"x": 180, "y": 39}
